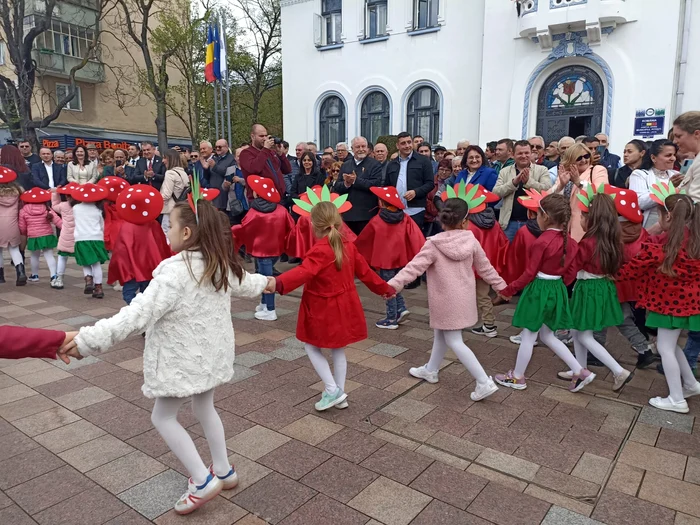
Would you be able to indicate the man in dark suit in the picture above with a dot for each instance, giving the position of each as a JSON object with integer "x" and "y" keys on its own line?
{"x": 47, "y": 174}
{"x": 358, "y": 174}
{"x": 217, "y": 177}
{"x": 149, "y": 168}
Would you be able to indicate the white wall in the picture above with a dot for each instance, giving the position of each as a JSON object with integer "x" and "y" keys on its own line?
{"x": 691, "y": 96}
{"x": 449, "y": 58}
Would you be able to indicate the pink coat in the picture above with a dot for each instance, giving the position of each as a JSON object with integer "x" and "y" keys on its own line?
{"x": 9, "y": 220}
{"x": 33, "y": 222}
{"x": 449, "y": 259}
{"x": 66, "y": 241}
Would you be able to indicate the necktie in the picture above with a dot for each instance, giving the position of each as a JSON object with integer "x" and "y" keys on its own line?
{"x": 150, "y": 163}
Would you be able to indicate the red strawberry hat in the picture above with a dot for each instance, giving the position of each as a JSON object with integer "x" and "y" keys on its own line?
{"x": 36, "y": 195}
{"x": 388, "y": 194}
{"x": 89, "y": 192}
{"x": 114, "y": 186}
{"x": 7, "y": 175}
{"x": 626, "y": 203}
{"x": 209, "y": 194}
{"x": 264, "y": 188}
{"x": 139, "y": 204}
{"x": 67, "y": 189}
{"x": 532, "y": 199}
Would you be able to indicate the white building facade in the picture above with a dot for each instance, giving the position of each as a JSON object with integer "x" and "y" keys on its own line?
{"x": 482, "y": 70}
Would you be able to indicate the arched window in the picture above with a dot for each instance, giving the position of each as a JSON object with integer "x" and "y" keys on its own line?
{"x": 423, "y": 114}
{"x": 332, "y": 122}
{"x": 374, "y": 116}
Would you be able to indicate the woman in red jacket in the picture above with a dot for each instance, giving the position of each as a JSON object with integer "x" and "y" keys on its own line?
{"x": 330, "y": 313}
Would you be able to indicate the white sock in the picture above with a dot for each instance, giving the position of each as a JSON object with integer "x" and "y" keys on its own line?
{"x": 87, "y": 271}
{"x": 584, "y": 342}
{"x": 453, "y": 338}
{"x": 16, "y": 255}
{"x": 97, "y": 273}
{"x": 340, "y": 367}
{"x": 323, "y": 369}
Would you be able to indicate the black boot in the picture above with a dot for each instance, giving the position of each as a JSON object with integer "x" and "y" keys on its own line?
{"x": 21, "y": 276}
{"x": 2, "y": 275}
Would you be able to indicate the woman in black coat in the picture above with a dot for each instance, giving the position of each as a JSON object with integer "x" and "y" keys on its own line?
{"x": 309, "y": 175}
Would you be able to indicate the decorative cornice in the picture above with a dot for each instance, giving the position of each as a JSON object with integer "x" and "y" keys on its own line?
{"x": 286, "y": 3}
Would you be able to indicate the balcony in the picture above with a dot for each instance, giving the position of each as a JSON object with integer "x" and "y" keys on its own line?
{"x": 541, "y": 19}
{"x": 59, "y": 66}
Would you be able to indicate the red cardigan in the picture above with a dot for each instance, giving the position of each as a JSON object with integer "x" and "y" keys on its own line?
{"x": 330, "y": 313}
{"x": 264, "y": 234}
{"x": 18, "y": 342}
{"x": 390, "y": 246}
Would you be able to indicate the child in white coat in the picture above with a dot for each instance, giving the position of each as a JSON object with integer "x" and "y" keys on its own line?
{"x": 189, "y": 350}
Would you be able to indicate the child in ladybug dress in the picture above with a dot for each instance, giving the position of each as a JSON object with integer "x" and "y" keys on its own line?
{"x": 140, "y": 245}
{"x": 389, "y": 242}
{"x": 10, "y": 237}
{"x": 36, "y": 221}
{"x": 667, "y": 282}
{"x": 265, "y": 232}
{"x": 89, "y": 248}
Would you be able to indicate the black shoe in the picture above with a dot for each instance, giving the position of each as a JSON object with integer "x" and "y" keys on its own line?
{"x": 2, "y": 275}
{"x": 294, "y": 260}
{"x": 645, "y": 359}
{"x": 660, "y": 369}
{"x": 592, "y": 361}
{"x": 284, "y": 258}
{"x": 21, "y": 276}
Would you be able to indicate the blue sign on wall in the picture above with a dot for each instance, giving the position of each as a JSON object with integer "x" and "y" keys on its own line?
{"x": 649, "y": 122}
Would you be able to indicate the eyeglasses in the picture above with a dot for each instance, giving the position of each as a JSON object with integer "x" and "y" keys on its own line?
{"x": 582, "y": 157}
{"x": 335, "y": 171}
{"x": 219, "y": 147}
{"x": 537, "y": 146}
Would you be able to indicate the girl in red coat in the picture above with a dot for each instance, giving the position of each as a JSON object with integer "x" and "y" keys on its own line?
{"x": 18, "y": 342}
{"x": 388, "y": 243}
{"x": 140, "y": 245}
{"x": 330, "y": 313}
{"x": 265, "y": 232}
{"x": 668, "y": 287}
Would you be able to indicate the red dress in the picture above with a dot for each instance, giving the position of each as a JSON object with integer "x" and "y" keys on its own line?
{"x": 330, "y": 313}
{"x": 495, "y": 243}
{"x": 18, "y": 342}
{"x": 390, "y": 246}
{"x": 517, "y": 254}
{"x": 304, "y": 239}
{"x": 627, "y": 290}
{"x": 112, "y": 225}
{"x": 138, "y": 250}
{"x": 264, "y": 234}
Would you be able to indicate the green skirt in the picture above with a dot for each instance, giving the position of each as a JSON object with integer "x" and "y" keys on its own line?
{"x": 88, "y": 253}
{"x": 65, "y": 254}
{"x": 543, "y": 302}
{"x": 672, "y": 322}
{"x": 47, "y": 242}
{"x": 594, "y": 305}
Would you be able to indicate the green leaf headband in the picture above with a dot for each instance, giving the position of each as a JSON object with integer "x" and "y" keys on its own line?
{"x": 313, "y": 199}
{"x": 662, "y": 190}
{"x": 585, "y": 199}
{"x": 474, "y": 198}
{"x": 195, "y": 195}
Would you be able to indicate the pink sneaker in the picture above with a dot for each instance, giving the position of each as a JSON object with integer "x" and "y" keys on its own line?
{"x": 509, "y": 380}
{"x": 581, "y": 380}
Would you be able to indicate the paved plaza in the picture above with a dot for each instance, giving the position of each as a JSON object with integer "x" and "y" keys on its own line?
{"x": 77, "y": 445}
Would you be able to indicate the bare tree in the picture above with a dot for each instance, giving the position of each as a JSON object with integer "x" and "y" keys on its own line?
{"x": 16, "y": 95}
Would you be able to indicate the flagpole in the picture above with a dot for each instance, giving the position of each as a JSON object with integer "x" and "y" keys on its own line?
{"x": 216, "y": 112}
{"x": 228, "y": 84}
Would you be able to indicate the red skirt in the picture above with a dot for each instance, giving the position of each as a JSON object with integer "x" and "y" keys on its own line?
{"x": 138, "y": 250}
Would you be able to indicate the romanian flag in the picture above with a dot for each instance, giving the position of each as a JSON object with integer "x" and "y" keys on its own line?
{"x": 210, "y": 71}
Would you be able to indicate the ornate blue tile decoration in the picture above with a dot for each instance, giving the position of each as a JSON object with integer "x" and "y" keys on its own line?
{"x": 556, "y": 4}
{"x": 528, "y": 6}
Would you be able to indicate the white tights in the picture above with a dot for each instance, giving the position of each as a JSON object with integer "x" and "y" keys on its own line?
{"x": 335, "y": 380}
{"x": 585, "y": 342}
{"x": 676, "y": 367}
{"x": 453, "y": 339}
{"x": 87, "y": 270}
{"x": 164, "y": 418}
{"x": 548, "y": 338}
{"x": 14, "y": 253}
{"x": 95, "y": 270}
{"x": 50, "y": 261}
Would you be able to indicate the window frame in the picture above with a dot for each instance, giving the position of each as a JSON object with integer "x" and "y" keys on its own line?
{"x": 78, "y": 97}
{"x": 435, "y": 114}
{"x": 374, "y": 5}
{"x": 2, "y": 53}
{"x": 432, "y": 9}
{"x": 329, "y": 16}
{"x": 324, "y": 122}
{"x": 366, "y": 118}
{"x": 63, "y": 38}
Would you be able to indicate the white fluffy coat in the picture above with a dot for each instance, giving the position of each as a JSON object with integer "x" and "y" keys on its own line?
{"x": 189, "y": 334}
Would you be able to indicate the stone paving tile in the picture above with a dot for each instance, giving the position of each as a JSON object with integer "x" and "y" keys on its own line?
{"x": 41, "y": 492}
{"x": 508, "y": 464}
{"x": 626, "y": 479}
{"x": 249, "y": 473}
{"x": 322, "y": 510}
{"x": 250, "y": 359}
{"x": 255, "y": 442}
{"x": 448, "y": 421}
{"x": 274, "y": 497}
{"x": 439, "y": 513}
{"x": 69, "y": 436}
{"x": 376, "y": 378}
{"x": 454, "y": 445}
{"x": 294, "y": 459}
{"x": 233, "y": 425}
{"x": 504, "y": 506}
{"x": 592, "y": 468}
{"x": 654, "y": 459}
{"x": 692, "y": 471}
{"x": 44, "y": 377}
{"x": 679, "y": 442}
{"x": 26, "y": 466}
{"x": 352, "y": 445}
{"x": 615, "y": 508}
{"x": 387, "y": 350}
{"x": 556, "y": 498}
{"x": 276, "y": 415}
{"x": 408, "y": 409}
{"x": 62, "y": 387}
{"x": 157, "y": 495}
{"x": 15, "y": 443}
{"x": 665, "y": 419}
{"x": 449, "y": 484}
{"x": 15, "y": 393}
{"x": 397, "y": 463}
{"x": 93, "y": 506}
{"x": 26, "y": 368}
{"x": 553, "y": 455}
{"x": 311, "y": 429}
{"x": 125, "y": 472}
{"x": 415, "y": 431}
{"x": 569, "y": 485}
{"x": 390, "y": 502}
{"x": 25, "y": 407}
{"x": 83, "y": 398}
{"x": 673, "y": 493}
{"x": 495, "y": 436}
{"x": 16, "y": 516}
{"x": 95, "y": 453}
{"x": 218, "y": 511}
{"x": 45, "y": 421}
{"x": 241, "y": 373}
{"x": 339, "y": 479}
{"x": 445, "y": 398}
{"x": 644, "y": 433}
{"x": 244, "y": 402}
{"x": 497, "y": 477}
{"x": 561, "y": 516}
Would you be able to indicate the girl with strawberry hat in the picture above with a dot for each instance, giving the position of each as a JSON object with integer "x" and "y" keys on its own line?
{"x": 35, "y": 221}
{"x": 140, "y": 245}
{"x": 450, "y": 259}
{"x": 389, "y": 242}
{"x": 10, "y": 236}
{"x": 265, "y": 232}
{"x": 114, "y": 186}
{"x": 89, "y": 248}
{"x": 66, "y": 240}
{"x": 666, "y": 276}
{"x": 330, "y": 313}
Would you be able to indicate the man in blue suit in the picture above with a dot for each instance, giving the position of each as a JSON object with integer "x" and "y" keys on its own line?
{"x": 47, "y": 174}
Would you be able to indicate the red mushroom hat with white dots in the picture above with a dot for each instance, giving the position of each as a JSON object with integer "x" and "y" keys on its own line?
{"x": 626, "y": 203}
{"x": 89, "y": 192}
{"x": 388, "y": 194}
{"x": 139, "y": 204}
{"x": 67, "y": 189}
{"x": 264, "y": 188}
{"x": 114, "y": 186}
{"x": 36, "y": 195}
{"x": 7, "y": 175}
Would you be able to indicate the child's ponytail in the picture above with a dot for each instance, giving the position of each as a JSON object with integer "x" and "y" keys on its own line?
{"x": 327, "y": 222}
{"x": 681, "y": 208}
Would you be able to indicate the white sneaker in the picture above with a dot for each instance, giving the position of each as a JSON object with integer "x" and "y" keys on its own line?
{"x": 117, "y": 287}
{"x": 262, "y": 307}
{"x": 266, "y": 315}
{"x": 422, "y": 372}
{"x": 342, "y": 404}
{"x": 566, "y": 376}
{"x": 516, "y": 340}
{"x": 196, "y": 496}
{"x": 691, "y": 390}
{"x": 484, "y": 390}
{"x": 666, "y": 403}
{"x": 621, "y": 380}
{"x": 230, "y": 480}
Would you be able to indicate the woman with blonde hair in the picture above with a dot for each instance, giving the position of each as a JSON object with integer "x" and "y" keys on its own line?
{"x": 332, "y": 174}
{"x": 575, "y": 173}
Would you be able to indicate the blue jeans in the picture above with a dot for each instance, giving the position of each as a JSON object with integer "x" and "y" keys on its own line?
{"x": 265, "y": 265}
{"x": 692, "y": 349}
{"x": 512, "y": 229}
{"x": 131, "y": 288}
{"x": 396, "y": 305}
